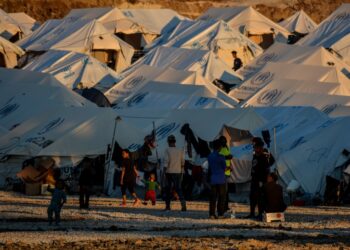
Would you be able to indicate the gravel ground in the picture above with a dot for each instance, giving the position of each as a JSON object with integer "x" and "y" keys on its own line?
{"x": 23, "y": 225}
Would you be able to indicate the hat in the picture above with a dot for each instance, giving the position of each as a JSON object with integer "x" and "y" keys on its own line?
{"x": 257, "y": 141}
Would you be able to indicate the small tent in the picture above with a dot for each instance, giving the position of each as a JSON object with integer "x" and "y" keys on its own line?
{"x": 10, "y": 29}
{"x": 27, "y": 23}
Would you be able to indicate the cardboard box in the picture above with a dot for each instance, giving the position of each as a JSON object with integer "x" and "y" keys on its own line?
{"x": 274, "y": 217}
{"x": 44, "y": 189}
{"x": 33, "y": 189}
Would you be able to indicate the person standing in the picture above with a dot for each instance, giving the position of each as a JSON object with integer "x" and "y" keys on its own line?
{"x": 85, "y": 183}
{"x": 174, "y": 161}
{"x": 58, "y": 199}
{"x": 237, "y": 62}
{"x": 262, "y": 161}
{"x": 217, "y": 179}
{"x": 225, "y": 152}
{"x": 128, "y": 178}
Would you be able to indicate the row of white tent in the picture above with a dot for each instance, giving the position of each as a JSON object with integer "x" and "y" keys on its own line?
{"x": 46, "y": 119}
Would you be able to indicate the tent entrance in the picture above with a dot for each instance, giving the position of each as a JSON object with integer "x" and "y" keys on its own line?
{"x": 2, "y": 60}
{"x": 134, "y": 39}
{"x": 109, "y": 57}
{"x": 263, "y": 40}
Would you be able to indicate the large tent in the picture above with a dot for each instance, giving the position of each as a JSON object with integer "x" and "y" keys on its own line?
{"x": 145, "y": 74}
{"x": 138, "y": 27}
{"x": 25, "y": 94}
{"x": 279, "y": 71}
{"x": 300, "y": 23}
{"x": 89, "y": 37}
{"x": 204, "y": 62}
{"x": 249, "y": 22}
{"x": 295, "y": 54}
{"x": 75, "y": 70}
{"x": 9, "y": 53}
{"x": 218, "y": 37}
{"x": 330, "y": 30}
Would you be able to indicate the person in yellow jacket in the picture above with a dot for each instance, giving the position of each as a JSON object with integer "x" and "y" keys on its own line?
{"x": 225, "y": 151}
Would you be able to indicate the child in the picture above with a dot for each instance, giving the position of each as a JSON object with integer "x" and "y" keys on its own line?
{"x": 58, "y": 199}
{"x": 128, "y": 178}
{"x": 151, "y": 186}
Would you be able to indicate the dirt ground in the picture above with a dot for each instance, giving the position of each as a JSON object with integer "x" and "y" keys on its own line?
{"x": 106, "y": 225}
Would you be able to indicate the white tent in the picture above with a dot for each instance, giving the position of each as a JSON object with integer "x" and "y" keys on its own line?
{"x": 9, "y": 28}
{"x": 309, "y": 145}
{"x": 330, "y": 30}
{"x": 9, "y": 53}
{"x": 284, "y": 92}
{"x": 342, "y": 47}
{"x": 296, "y": 54}
{"x": 25, "y": 94}
{"x": 172, "y": 96}
{"x": 249, "y": 22}
{"x": 280, "y": 71}
{"x": 204, "y": 62}
{"x": 145, "y": 74}
{"x": 170, "y": 32}
{"x": 41, "y": 31}
{"x": 75, "y": 69}
{"x": 27, "y": 23}
{"x": 300, "y": 23}
{"x": 218, "y": 37}
{"x": 89, "y": 37}
{"x": 138, "y": 27}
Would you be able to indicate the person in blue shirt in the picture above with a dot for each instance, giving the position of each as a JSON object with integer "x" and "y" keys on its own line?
{"x": 58, "y": 199}
{"x": 217, "y": 180}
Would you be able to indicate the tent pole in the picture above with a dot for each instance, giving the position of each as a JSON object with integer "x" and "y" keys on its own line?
{"x": 275, "y": 144}
{"x": 110, "y": 154}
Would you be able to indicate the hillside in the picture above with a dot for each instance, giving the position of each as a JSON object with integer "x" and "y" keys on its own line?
{"x": 274, "y": 9}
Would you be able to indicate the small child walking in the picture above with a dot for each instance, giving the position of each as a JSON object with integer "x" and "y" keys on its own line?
{"x": 151, "y": 186}
{"x": 57, "y": 200}
{"x": 128, "y": 178}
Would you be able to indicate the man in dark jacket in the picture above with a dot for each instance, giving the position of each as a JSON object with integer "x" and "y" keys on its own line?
{"x": 262, "y": 161}
{"x": 237, "y": 62}
{"x": 217, "y": 166}
{"x": 273, "y": 196}
{"x": 85, "y": 183}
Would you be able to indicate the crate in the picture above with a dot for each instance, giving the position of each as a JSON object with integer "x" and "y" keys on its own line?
{"x": 274, "y": 217}
{"x": 32, "y": 188}
{"x": 44, "y": 189}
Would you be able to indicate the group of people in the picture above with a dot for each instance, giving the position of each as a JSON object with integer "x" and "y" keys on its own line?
{"x": 265, "y": 193}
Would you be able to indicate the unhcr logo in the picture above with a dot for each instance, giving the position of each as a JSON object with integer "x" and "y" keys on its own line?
{"x": 202, "y": 101}
{"x": 341, "y": 17}
{"x": 8, "y": 109}
{"x": 51, "y": 125}
{"x": 269, "y": 97}
{"x": 329, "y": 108}
{"x": 136, "y": 99}
{"x": 165, "y": 130}
{"x": 262, "y": 79}
{"x": 134, "y": 82}
{"x": 9, "y": 146}
{"x": 267, "y": 57}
